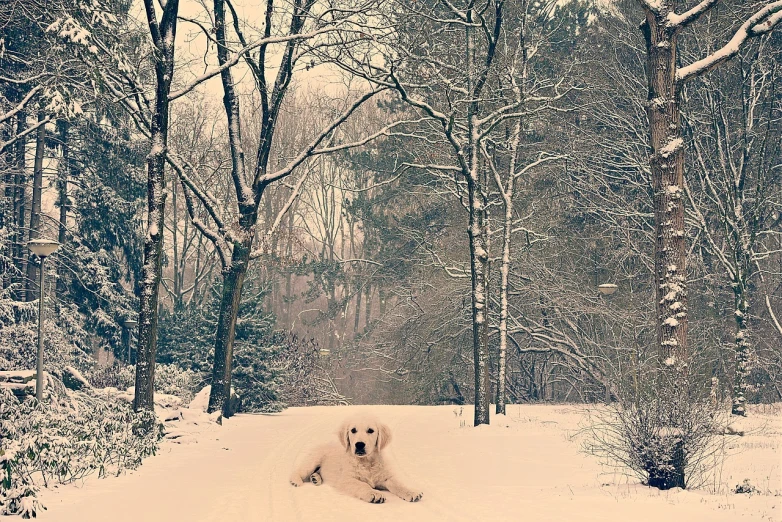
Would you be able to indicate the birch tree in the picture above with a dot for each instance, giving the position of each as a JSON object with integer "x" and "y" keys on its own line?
{"x": 445, "y": 67}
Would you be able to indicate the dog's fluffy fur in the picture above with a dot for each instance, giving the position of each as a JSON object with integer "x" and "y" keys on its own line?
{"x": 356, "y": 467}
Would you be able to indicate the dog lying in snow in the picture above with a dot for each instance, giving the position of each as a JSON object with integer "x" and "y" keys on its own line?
{"x": 357, "y": 468}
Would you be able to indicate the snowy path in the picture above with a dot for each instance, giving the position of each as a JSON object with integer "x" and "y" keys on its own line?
{"x": 527, "y": 470}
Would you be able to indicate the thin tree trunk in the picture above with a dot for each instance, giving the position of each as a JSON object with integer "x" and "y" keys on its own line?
{"x": 20, "y": 199}
{"x": 478, "y": 266}
{"x": 63, "y": 173}
{"x": 357, "y": 315}
{"x": 163, "y": 37}
{"x": 368, "y": 307}
{"x": 504, "y": 274}
{"x": 35, "y": 206}
{"x": 743, "y": 347}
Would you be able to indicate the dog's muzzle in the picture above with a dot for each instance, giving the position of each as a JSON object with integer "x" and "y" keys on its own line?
{"x": 360, "y": 449}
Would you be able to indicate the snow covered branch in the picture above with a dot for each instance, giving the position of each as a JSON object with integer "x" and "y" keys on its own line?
{"x": 688, "y": 17}
{"x": 21, "y": 105}
{"x": 762, "y": 22}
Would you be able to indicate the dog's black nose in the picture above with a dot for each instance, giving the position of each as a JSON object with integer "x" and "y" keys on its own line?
{"x": 360, "y": 445}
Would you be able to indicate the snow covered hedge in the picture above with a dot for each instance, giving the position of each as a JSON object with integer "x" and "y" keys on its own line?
{"x": 71, "y": 436}
{"x": 169, "y": 379}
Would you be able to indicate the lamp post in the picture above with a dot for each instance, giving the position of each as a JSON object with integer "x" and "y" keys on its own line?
{"x": 129, "y": 324}
{"x": 607, "y": 288}
{"x": 41, "y": 248}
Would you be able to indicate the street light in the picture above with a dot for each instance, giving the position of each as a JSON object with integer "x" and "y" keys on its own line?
{"x": 607, "y": 288}
{"x": 41, "y": 248}
{"x": 129, "y": 324}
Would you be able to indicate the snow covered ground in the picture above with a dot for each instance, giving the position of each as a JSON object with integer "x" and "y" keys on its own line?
{"x": 526, "y": 466}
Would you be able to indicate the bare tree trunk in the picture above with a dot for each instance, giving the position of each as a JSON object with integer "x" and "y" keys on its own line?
{"x": 507, "y": 228}
{"x": 63, "y": 173}
{"x": 368, "y": 307}
{"x": 479, "y": 259}
{"x": 743, "y": 346}
{"x": 357, "y": 315}
{"x": 20, "y": 198}
{"x": 35, "y": 205}
{"x": 176, "y": 276}
{"x": 152, "y": 270}
{"x": 233, "y": 280}
{"x": 163, "y": 37}
{"x": 667, "y": 165}
{"x": 234, "y": 274}
{"x": 479, "y": 254}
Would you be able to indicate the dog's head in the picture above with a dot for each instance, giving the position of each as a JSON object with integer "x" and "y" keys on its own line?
{"x": 363, "y": 435}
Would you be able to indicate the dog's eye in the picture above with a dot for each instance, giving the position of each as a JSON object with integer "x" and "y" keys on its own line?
{"x": 354, "y": 430}
{"x": 370, "y": 430}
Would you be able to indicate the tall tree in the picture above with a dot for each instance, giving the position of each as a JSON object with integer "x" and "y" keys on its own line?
{"x": 163, "y": 36}
{"x": 303, "y": 32}
{"x": 661, "y": 28}
{"x": 447, "y": 66}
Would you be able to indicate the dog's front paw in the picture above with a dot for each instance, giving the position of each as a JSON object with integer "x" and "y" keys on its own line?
{"x": 296, "y": 481}
{"x": 411, "y": 496}
{"x": 374, "y": 497}
{"x": 316, "y": 479}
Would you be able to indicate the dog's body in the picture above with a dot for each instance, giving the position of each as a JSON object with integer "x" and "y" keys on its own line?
{"x": 356, "y": 467}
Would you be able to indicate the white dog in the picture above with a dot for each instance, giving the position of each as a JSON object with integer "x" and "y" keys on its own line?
{"x": 357, "y": 468}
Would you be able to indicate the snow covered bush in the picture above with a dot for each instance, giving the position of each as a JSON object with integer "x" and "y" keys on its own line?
{"x": 169, "y": 379}
{"x": 665, "y": 436}
{"x": 120, "y": 376}
{"x": 173, "y": 380}
{"x": 65, "y": 439}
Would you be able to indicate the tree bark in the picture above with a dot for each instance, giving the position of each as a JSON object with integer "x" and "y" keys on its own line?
{"x": 234, "y": 274}
{"x": 233, "y": 280}
{"x": 478, "y": 237}
{"x": 163, "y": 37}
{"x": 479, "y": 259}
{"x": 667, "y": 166}
{"x": 20, "y": 200}
{"x": 507, "y": 228}
{"x": 743, "y": 346}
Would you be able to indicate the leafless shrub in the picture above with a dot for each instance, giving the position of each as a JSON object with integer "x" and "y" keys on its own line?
{"x": 663, "y": 434}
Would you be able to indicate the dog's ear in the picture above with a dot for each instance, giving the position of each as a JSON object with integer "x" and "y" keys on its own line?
{"x": 383, "y": 435}
{"x": 344, "y": 435}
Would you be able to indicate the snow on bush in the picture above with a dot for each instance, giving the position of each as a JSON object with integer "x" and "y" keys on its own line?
{"x": 663, "y": 434}
{"x": 64, "y": 439}
{"x": 173, "y": 380}
{"x": 169, "y": 379}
